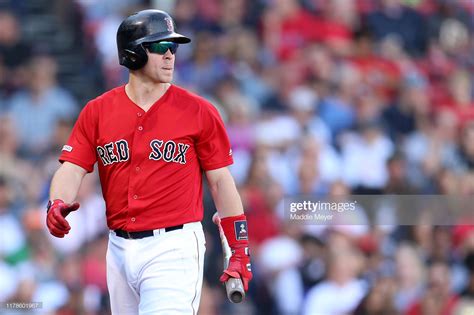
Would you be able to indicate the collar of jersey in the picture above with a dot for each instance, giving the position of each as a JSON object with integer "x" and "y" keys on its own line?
{"x": 155, "y": 105}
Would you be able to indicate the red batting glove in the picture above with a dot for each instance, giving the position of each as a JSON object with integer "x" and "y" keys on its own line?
{"x": 236, "y": 232}
{"x": 55, "y": 220}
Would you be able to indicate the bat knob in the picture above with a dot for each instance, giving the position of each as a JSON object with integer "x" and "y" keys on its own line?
{"x": 236, "y": 297}
{"x": 235, "y": 290}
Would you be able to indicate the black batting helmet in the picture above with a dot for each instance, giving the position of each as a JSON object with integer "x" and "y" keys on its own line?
{"x": 144, "y": 27}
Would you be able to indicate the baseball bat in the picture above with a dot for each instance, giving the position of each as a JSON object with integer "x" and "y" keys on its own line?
{"x": 233, "y": 286}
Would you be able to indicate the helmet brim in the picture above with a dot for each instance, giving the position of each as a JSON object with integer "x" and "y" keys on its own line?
{"x": 172, "y": 37}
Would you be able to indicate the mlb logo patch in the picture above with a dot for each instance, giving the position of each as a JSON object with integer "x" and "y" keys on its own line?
{"x": 67, "y": 148}
{"x": 240, "y": 228}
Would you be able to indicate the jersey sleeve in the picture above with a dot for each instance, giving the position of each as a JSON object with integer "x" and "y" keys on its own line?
{"x": 213, "y": 145}
{"x": 80, "y": 147}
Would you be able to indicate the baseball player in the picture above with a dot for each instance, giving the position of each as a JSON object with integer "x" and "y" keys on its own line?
{"x": 152, "y": 141}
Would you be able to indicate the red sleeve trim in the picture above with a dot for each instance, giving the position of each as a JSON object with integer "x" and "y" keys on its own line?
{"x": 215, "y": 166}
{"x": 80, "y": 163}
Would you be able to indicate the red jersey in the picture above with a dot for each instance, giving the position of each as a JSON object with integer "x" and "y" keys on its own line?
{"x": 150, "y": 163}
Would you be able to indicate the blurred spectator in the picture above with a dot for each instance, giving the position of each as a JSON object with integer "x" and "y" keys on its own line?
{"x": 316, "y": 166}
{"x": 409, "y": 275}
{"x": 347, "y": 225}
{"x": 93, "y": 271}
{"x": 413, "y": 104}
{"x": 206, "y": 68}
{"x": 289, "y": 76}
{"x": 105, "y": 42}
{"x": 38, "y": 276}
{"x": 18, "y": 172}
{"x": 12, "y": 240}
{"x": 313, "y": 265}
{"x": 37, "y": 110}
{"x": 321, "y": 64}
{"x": 339, "y": 18}
{"x": 441, "y": 251}
{"x": 445, "y": 12}
{"x": 397, "y": 182}
{"x": 468, "y": 291}
{"x": 279, "y": 258}
{"x": 466, "y": 149}
{"x": 69, "y": 273}
{"x": 287, "y": 27}
{"x": 341, "y": 292}
{"x": 303, "y": 105}
{"x": 401, "y": 22}
{"x": 14, "y": 53}
{"x": 379, "y": 300}
{"x": 249, "y": 59}
{"x": 257, "y": 202}
{"x": 377, "y": 72}
{"x": 337, "y": 109}
{"x": 9, "y": 283}
{"x": 96, "y": 10}
{"x": 438, "y": 298}
{"x": 368, "y": 106}
{"x": 241, "y": 130}
{"x": 430, "y": 148}
{"x": 232, "y": 14}
{"x": 369, "y": 148}
{"x": 451, "y": 25}
{"x": 189, "y": 22}
{"x": 460, "y": 99}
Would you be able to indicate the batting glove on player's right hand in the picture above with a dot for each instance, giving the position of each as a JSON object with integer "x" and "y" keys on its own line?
{"x": 236, "y": 233}
{"x": 55, "y": 220}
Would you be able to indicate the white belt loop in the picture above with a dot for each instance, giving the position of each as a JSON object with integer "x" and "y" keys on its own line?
{"x": 158, "y": 231}
{"x": 186, "y": 226}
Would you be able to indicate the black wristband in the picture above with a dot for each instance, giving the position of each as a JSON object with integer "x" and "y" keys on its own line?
{"x": 48, "y": 206}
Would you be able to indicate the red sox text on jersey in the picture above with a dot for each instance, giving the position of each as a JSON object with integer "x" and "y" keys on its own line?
{"x": 118, "y": 151}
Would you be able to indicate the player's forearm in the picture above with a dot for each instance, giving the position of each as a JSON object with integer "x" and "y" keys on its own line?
{"x": 224, "y": 192}
{"x": 227, "y": 199}
{"x": 66, "y": 182}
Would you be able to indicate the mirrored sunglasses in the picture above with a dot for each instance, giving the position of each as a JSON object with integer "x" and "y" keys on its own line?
{"x": 162, "y": 47}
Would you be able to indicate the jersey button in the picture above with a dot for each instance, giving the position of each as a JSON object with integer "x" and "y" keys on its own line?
{"x": 139, "y": 114}
{"x": 137, "y": 168}
{"x": 133, "y": 219}
{"x": 140, "y": 128}
{"x": 135, "y": 197}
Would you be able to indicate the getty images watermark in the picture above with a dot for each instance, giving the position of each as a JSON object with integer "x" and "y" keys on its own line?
{"x": 380, "y": 209}
{"x": 322, "y": 211}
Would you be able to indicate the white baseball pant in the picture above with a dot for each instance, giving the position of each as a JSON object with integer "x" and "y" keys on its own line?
{"x": 160, "y": 274}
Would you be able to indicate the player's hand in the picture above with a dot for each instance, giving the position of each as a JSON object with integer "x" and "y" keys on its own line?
{"x": 239, "y": 267}
{"x": 55, "y": 220}
{"x": 236, "y": 233}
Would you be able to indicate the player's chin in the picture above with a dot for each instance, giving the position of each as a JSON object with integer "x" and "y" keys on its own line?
{"x": 166, "y": 76}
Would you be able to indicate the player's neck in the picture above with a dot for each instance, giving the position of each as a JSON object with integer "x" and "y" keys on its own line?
{"x": 145, "y": 94}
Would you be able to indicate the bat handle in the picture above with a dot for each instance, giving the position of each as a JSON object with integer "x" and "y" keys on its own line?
{"x": 235, "y": 290}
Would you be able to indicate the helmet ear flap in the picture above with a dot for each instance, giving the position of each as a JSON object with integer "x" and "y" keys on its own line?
{"x": 134, "y": 59}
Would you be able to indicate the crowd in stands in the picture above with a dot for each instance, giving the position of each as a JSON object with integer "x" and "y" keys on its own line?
{"x": 319, "y": 97}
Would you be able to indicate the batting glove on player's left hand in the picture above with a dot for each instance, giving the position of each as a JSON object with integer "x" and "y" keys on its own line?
{"x": 236, "y": 233}
{"x": 55, "y": 220}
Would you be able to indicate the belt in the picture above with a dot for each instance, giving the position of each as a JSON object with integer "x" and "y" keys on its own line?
{"x": 142, "y": 234}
